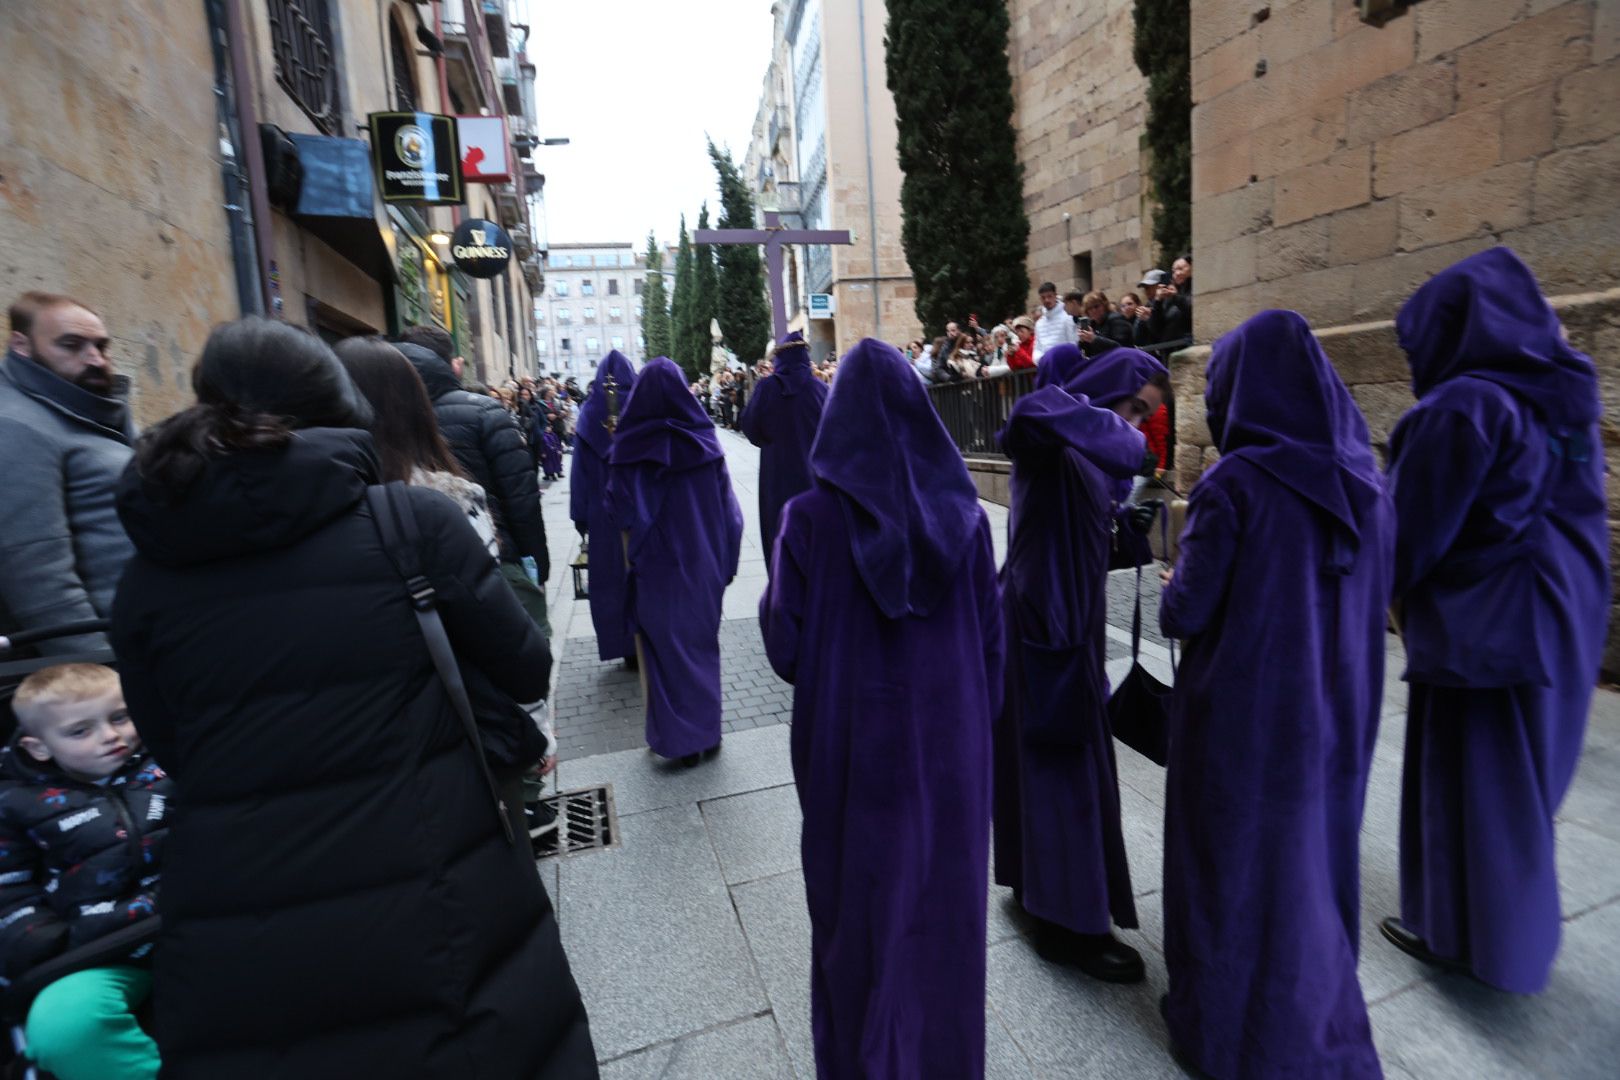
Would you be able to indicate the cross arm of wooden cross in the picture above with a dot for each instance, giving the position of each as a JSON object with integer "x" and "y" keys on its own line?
{"x": 775, "y": 237}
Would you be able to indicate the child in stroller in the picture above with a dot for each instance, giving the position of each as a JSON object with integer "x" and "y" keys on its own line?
{"x": 83, "y": 816}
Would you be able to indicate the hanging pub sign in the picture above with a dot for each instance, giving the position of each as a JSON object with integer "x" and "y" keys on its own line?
{"x": 481, "y": 248}
{"x": 484, "y": 156}
{"x": 417, "y": 156}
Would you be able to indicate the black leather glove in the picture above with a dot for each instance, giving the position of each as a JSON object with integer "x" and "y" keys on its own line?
{"x": 1142, "y": 514}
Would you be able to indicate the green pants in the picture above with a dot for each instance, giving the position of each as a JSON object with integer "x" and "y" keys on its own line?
{"x": 82, "y": 1026}
{"x": 528, "y": 594}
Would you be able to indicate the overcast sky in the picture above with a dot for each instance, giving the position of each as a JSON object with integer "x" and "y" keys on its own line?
{"x": 636, "y": 84}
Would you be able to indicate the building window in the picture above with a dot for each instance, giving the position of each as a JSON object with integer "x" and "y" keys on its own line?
{"x": 613, "y": 286}
{"x": 618, "y": 342}
{"x": 561, "y": 260}
{"x": 563, "y": 316}
{"x": 559, "y": 288}
{"x": 305, "y": 61}
{"x": 587, "y": 288}
{"x": 638, "y": 311}
{"x": 626, "y": 259}
{"x": 590, "y": 314}
{"x": 641, "y": 284}
{"x": 564, "y": 345}
{"x": 592, "y": 345}
{"x": 540, "y": 348}
{"x": 615, "y": 314}
{"x": 539, "y": 315}
{"x": 404, "y": 66}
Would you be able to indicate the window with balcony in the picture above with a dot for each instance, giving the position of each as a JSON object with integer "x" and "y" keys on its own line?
{"x": 404, "y": 65}
{"x": 301, "y": 44}
{"x": 563, "y": 317}
{"x": 590, "y": 314}
{"x": 615, "y": 314}
{"x": 593, "y": 345}
{"x": 587, "y": 288}
{"x": 613, "y": 286}
{"x": 559, "y": 288}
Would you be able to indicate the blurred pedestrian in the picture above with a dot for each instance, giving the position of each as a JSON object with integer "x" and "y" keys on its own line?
{"x": 781, "y": 419}
{"x": 592, "y": 514}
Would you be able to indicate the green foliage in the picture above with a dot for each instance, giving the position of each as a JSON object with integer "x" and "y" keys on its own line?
{"x": 655, "y": 325}
{"x": 962, "y": 201}
{"x": 704, "y": 305}
{"x": 1163, "y": 50}
{"x": 682, "y": 301}
{"x": 745, "y": 318}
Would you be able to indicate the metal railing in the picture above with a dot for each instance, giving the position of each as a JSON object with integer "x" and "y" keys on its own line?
{"x": 975, "y": 410}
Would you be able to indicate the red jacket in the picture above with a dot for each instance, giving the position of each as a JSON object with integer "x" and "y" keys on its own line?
{"x": 1156, "y": 428}
{"x": 1023, "y": 356}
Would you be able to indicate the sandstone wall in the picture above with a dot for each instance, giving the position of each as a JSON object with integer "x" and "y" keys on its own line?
{"x": 1079, "y": 112}
{"x": 1336, "y": 165}
{"x": 109, "y": 179}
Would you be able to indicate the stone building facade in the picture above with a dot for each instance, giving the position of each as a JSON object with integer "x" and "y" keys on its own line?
{"x": 135, "y": 172}
{"x": 592, "y": 304}
{"x": 828, "y": 161}
{"x": 1337, "y": 165}
{"x": 1079, "y": 111}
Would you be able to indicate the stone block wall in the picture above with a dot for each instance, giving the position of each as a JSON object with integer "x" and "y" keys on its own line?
{"x": 1079, "y": 114}
{"x": 109, "y": 179}
{"x": 1336, "y": 165}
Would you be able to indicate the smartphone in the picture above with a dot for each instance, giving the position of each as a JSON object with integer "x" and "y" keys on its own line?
{"x": 1084, "y": 322}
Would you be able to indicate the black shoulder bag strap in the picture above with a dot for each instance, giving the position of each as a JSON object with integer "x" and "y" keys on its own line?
{"x": 1136, "y": 618}
{"x": 396, "y": 528}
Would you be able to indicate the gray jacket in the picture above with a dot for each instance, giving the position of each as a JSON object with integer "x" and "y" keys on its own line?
{"x": 62, "y": 548}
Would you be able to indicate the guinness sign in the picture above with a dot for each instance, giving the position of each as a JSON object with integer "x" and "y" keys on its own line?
{"x": 481, "y": 248}
{"x": 416, "y": 157}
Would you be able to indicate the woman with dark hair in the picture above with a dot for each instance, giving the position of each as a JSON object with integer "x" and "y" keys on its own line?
{"x": 338, "y": 894}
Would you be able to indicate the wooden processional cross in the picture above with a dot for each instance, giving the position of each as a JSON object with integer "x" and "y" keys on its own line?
{"x": 775, "y": 236}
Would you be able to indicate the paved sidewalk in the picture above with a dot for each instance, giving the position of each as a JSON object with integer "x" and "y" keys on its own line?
{"x": 691, "y": 943}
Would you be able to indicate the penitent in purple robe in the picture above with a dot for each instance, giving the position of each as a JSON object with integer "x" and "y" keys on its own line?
{"x": 1280, "y": 592}
{"x": 1057, "y": 825}
{"x": 588, "y": 507}
{"x": 883, "y": 612}
{"x": 781, "y": 419}
{"x": 1502, "y": 574}
{"x": 671, "y": 493}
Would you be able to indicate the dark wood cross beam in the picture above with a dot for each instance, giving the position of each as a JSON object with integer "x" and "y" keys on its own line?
{"x": 775, "y": 237}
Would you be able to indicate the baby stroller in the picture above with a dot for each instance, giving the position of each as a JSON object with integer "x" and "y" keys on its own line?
{"x": 16, "y": 997}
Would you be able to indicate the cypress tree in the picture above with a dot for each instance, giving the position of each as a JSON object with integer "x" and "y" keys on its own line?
{"x": 705, "y": 294}
{"x": 682, "y": 301}
{"x": 745, "y": 318}
{"x": 654, "y": 304}
{"x": 962, "y": 200}
{"x": 1163, "y": 50}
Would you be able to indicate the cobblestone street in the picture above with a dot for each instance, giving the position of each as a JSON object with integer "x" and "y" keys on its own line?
{"x": 690, "y": 941}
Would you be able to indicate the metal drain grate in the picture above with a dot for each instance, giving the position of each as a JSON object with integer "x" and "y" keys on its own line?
{"x": 586, "y": 821}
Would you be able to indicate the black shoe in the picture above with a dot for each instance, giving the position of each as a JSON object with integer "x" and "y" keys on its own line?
{"x": 1102, "y": 956}
{"x": 714, "y": 751}
{"x": 691, "y": 761}
{"x": 632, "y": 663}
{"x": 541, "y": 817}
{"x": 1398, "y": 935}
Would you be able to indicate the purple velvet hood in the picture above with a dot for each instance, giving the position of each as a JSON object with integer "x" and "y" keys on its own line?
{"x": 910, "y": 506}
{"x": 1485, "y": 318}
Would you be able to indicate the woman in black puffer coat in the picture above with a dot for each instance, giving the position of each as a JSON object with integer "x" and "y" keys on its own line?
{"x": 339, "y": 899}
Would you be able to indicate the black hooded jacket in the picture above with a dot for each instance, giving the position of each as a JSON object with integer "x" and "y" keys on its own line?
{"x": 338, "y": 897}
{"x": 488, "y": 442}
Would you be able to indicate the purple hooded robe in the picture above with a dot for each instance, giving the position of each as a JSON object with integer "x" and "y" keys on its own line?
{"x": 1502, "y": 574}
{"x": 781, "y": 420}
{"x": 1058, "y": 836}
{"x": 588, "y": 507}
{"x": 671, "y": 492}
{"x": 1280, "y": 593}
{"x": 883, "y": 612}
